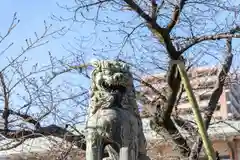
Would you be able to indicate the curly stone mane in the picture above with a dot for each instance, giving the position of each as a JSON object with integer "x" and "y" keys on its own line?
{"x": 109, "y": 77}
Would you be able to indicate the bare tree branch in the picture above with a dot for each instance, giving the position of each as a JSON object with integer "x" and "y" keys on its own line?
{"x": 154, "y": 11}
{"x": 219, "y": 36}
{"x": 185, "y": 125}
{"x": 176, "y": 14}
{"x": 25, "y": 117}
{"x": 5, "y": 114}
{"x": 89, "y": 5}
{"x": 51, "y": 130}
{"x": 162, "y": 117}
{"x": 156, "y": 29}
{"x": 13, "y": 24}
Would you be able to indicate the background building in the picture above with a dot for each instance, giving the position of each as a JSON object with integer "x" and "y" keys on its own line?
{"x": 225, "y": 127}
{"x": 203, "y": 80}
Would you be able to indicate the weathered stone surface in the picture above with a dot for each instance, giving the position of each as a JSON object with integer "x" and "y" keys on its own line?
{"x": 114, "y": 123}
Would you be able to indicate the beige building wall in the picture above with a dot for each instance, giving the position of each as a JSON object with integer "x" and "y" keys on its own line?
{"x": 203, "y": 80}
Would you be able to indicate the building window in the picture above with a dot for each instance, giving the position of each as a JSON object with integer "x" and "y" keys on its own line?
{"x": 218, "y": 107}
{"x": 204, "y": 97}
{"x": 227, "y": 95}
{"x": 225, "y": 157}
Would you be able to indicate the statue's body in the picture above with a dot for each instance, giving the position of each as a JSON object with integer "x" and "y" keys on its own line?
{"x": 114, "y": 127}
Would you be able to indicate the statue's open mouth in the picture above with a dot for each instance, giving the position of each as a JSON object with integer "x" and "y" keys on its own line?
{"x": 114, "y": 87}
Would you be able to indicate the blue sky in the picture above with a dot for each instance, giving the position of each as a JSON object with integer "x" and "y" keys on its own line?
{"x": 32, "y": 14}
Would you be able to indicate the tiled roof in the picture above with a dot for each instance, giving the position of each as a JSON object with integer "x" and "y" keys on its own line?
{"x": 217, "y": 129}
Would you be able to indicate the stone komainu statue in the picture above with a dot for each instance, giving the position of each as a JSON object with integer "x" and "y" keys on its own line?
{"x": 114, "y": 127}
